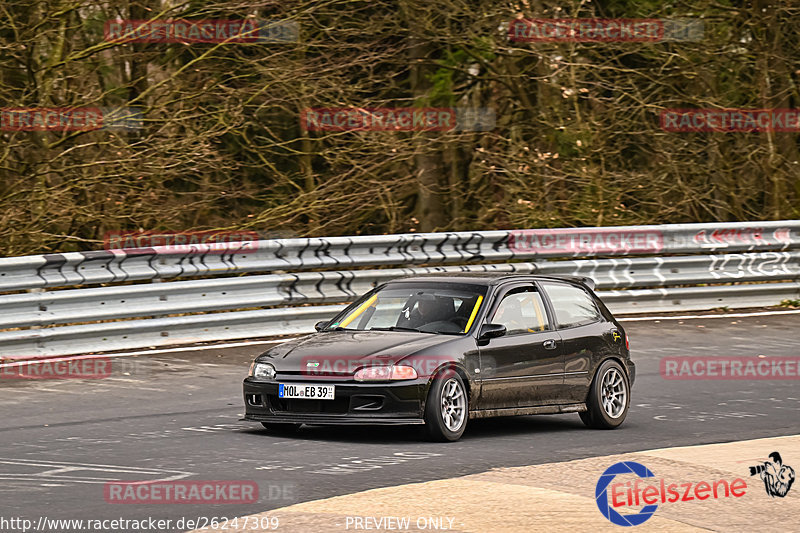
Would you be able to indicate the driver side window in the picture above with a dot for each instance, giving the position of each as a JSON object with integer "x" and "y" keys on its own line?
{"x": 521, "y": 311}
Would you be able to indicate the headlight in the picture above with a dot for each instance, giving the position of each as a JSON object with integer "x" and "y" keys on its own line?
{"x": 262, "y": 370}
{"x": 385, "y": 373}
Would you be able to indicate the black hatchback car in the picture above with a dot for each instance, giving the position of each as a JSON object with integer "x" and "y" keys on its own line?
{"x": 440, "y": 350}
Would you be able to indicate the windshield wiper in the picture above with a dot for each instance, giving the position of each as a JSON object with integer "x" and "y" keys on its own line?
{"x": 398, "y": 328}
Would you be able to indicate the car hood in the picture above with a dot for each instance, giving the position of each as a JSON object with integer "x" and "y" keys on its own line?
{"x": 344, "y": 351}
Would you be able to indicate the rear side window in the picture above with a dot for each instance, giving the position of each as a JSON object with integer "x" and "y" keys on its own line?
{"x": 521, "y": 311}
{"x": 573, "y": 305}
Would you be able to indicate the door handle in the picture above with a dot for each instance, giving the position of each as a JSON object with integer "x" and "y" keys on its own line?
{"x": 549, "y": 344}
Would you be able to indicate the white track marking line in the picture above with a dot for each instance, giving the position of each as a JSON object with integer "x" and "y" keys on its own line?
{"x": 56, "y": 358}
{"x": 727, "y": 315}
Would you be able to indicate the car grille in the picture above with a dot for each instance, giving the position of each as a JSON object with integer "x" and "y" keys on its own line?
{"x": 284, "y": 405}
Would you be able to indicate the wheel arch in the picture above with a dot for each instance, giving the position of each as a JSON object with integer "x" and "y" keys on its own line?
{"x": 612, "y": 357}
{"x": 458, "y": 369}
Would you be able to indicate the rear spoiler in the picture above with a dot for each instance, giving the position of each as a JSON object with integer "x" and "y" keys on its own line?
{"x": 583, "y": 280}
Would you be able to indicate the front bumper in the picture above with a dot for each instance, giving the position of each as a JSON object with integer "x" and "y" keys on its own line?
{"x": 353, "y": 403}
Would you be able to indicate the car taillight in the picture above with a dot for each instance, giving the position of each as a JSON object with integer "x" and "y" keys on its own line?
{"x": 627, "y": 344}
{"x": 385, "y": 373}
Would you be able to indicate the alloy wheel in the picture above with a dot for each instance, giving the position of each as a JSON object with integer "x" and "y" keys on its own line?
{"x": 614, "y": 394}
{"x": 453, "y": 404}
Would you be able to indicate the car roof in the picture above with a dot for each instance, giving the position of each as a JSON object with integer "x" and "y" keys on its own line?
{"x": 485, "y": 278}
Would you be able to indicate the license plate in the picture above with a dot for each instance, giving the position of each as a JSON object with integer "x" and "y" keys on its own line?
{"x": 306, "y": 392}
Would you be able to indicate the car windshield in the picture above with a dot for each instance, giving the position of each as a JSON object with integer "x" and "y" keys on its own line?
{"x": 425, "y": 307}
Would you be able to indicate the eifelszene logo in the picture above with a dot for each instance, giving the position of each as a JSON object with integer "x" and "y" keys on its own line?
{"x": 777, "y": 477}
{"x": 636, "y": 493}
{"x": 601, "y": 494}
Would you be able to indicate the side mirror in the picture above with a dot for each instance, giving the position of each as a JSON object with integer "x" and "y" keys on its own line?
{"x": 319, "y": 325}
{"x": 491, "y": 331}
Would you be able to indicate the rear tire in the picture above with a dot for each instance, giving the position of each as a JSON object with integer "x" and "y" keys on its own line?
{"x": 609, "y": 397}
{"x": 447, "y": 407}
{"x": 279, "y": 427}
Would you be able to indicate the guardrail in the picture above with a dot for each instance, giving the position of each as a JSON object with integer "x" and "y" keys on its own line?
{"x": 641, "y": 284}
{"x": 128, "y": 301}
{"x": 116, "y": 266}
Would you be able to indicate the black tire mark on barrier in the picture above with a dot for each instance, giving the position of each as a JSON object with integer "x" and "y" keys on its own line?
{"x": 339, "y": 283}
{"x": 477, "y": 255}
{"x": 230, "y": 261}
{"x": 135, "y": 253}
{"x": 302, "y": 251}
{"x": 325, "y": 280}
{"x": 346, "y": 250}
{"x": 279, "y": 251}
{"x": 228, "y": 256}
{"x": 184, "y": 259}
{"x": 503, "y": 242}
{"x": 402, "y": 248}
{"x": 76, "y": 268}
{"x": 423, "y": 243}
{"x": 460, "y": 247}
{"x": 289, "y": 288}
{"x": 325, "y": 250}
{"x": 50, "y": 261}
{"x": 201, "y": 260}
{"x": 344, "y": 281}
{"x": 195, "y": 259}
{"x": 441, "y": 245}
{"x": 154, "y": 267}
{"x": 389, "y": 248}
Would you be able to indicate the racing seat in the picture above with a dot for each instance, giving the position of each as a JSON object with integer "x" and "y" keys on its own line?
{"x": 428, "y": 310}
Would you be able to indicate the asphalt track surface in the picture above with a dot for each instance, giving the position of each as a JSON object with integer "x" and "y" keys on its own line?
{"x": 177, "y": 415}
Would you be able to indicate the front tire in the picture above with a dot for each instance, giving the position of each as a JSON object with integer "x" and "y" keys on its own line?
{"x": 447, "y": 407}
{"x": 609, "y": 397}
